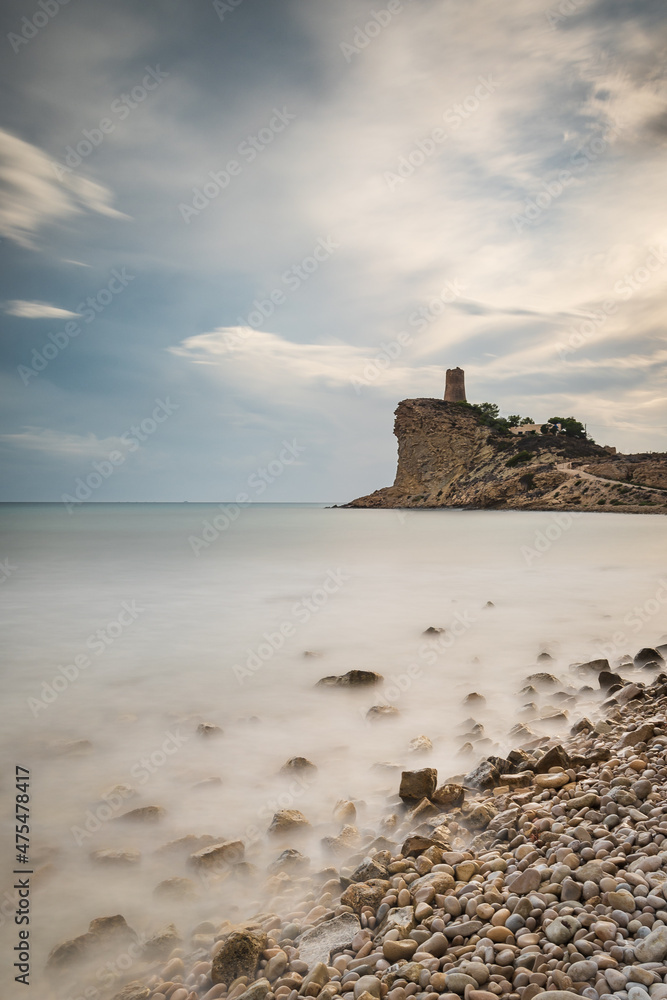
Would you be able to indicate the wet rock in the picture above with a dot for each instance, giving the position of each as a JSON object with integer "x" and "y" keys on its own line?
{"x": 449, "y": 795}
{"x": 607, "y": 679}
{"x": 162, "y": 943}
{"x": 485, "y": 775}
{"x": 522, "y": 883}
{"x": 465, "y": 929}
{"x": 290, "y": 860}
{"x": 298, "y": 765}
{"x": 400, "y": 919}
{"x": 542, "y": 679}
{"x": 420, "y": 744}
{"x": 117, "y": 858}
{"x": 480, "y": 815}
{"x": 646, "y": 655}
{"x": 70, "y": 952}
{"x": 345, "y": 811}
{"x": 239, "y": 955}
{"x": 353, "y": 678}
{"x": 257, "y": 991}
{"x": 208, "y": 729}
{"x": 369, "y": 868}
{"x": 416, "y": 785}
{"x": 361, "y": 894}
{"x": 316, "y": 944}
{"x": 133, "y": 991}
{"x": 287, "y": 821}
{"x": 555, "y": 757}
{"x": 112, "y": 930}
{"x": 562, "y": 929}
{"x": 641, "y": 734}
{"x": 395, "y": 951}
{"x": 218, "y": 855}
{"x": 378, "y": 712}
{"x": 176, "y": 888}
{"x": 474, "y": 699}
{"x": 144, "y": 814}
{"x": 593, "y": 666}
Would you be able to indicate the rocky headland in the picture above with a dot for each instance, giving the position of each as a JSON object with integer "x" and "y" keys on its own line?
{"x": 448, "y": 457}
{"x": 541, "y": 870}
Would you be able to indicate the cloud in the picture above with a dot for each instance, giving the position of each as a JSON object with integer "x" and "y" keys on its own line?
{"x": 37, "y": 310}
{"x": 63, "y": 445}
{"x": 254, "y": 359}
{"x": 32, "y": 196}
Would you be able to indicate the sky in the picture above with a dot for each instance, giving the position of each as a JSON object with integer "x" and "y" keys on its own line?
{"x": 234, "y": 234}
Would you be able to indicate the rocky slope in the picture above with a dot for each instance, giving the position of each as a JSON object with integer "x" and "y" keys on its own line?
{"x": 448, "y": 458}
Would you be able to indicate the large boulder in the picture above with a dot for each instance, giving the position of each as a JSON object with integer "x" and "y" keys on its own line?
{"x": 239, "y": 955}
{"x": 418, "y": 785}
{"x": 647, "y": 655}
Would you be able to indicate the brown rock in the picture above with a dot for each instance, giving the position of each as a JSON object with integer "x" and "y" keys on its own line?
{"x": 416, "y": 785}
{"x": 449, "y": 795}
{"x": 288, "y": 821}
{"x": 361, "y": 894}
{"x": 239, "y": 955}
{"x": 218, "y": 855}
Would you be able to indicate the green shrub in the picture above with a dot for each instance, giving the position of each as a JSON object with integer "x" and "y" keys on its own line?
{"x": 521, "y": 456}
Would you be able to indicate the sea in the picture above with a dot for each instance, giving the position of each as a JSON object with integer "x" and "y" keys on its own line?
{"x": 169, "y": 655}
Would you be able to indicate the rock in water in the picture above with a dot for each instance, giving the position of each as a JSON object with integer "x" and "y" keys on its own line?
{"x": 315, "y": 945}
{"x": 645, "y": 656}
{"x": 288, "y": 821}
{"x": 239, "y": 955}
{"x": 417, "y": 785}
{"x": 353, "y": 678}
{"x": 298, "y": 764}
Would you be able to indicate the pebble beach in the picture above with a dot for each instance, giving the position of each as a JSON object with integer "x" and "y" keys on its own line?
{"x": 541, "y": 871}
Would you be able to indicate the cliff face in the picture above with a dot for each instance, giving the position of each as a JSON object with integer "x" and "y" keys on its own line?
{"x": 448, "y": 458}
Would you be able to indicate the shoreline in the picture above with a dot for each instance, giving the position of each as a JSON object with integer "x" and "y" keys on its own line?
{"x": 543, "y": 870}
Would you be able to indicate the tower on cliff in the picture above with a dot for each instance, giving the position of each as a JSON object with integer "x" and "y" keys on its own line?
{"x": 455, "y": 387}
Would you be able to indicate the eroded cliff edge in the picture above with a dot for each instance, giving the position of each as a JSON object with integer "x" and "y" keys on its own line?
{"x": 447, "y": 457}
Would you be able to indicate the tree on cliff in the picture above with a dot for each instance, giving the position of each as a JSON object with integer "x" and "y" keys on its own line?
{"x": 570, "y": 426}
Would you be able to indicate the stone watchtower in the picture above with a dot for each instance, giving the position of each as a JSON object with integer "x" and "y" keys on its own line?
{"x": 455, "y": 388}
